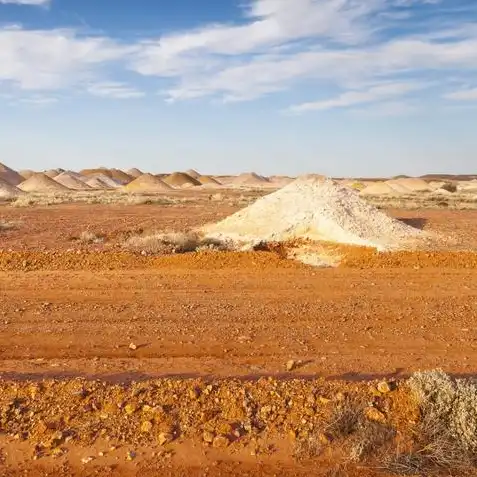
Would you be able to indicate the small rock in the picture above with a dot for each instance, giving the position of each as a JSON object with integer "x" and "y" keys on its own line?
{"x": 87, "y": 460}
{"x": 130, "y": 409}
{"x": 194, "y": 393}
{"x": 374, "y": 414}
{"x": 324, "y": 438}
{"x": 340, "y": 396}
{"x": 290, "y": 365}
{"x": 131, "y": 455}
{"x": 208, "y": 437}
{"x": 220, "y": 442}
{"x": 146, "y": 426}
{"x": 132, "y": 346}
{"x": 164, "y": 438}
{"x": 384, "y": 387}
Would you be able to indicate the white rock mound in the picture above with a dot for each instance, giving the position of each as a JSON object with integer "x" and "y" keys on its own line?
{"x": 317, "y": 209}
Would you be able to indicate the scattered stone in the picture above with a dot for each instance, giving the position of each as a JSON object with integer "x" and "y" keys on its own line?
{"x": 324, "y": 439}
{"x": 132, "y": 347}
{"x": 130, "y": 409}
{"x": 340, "y": 396}
{"x": 220, "y": 442}
{"x": 87, "y": 460}
{"x": 208, "y": 437}
{"x": 194, "y": 393}
{"x": 291, "y": 364}
{"x": 165, "y": 438}
{"x": 374, "y": 414}
{"x": 146, "y": 426}
{"x": 384, "y": 387}
{"x": 131, "y": 455}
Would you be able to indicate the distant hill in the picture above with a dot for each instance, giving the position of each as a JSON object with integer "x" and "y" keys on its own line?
{"x": 449, "y": 177}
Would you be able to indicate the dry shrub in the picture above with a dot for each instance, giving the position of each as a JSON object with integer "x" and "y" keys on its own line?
{"x": 171, "y": 243}
{"x": 369, "y": 437}
{"x": 449, "y": 404}
{"x": 359, "y": 437}
{"x": 106, "y": 197}
{"x": 446, "y": 436}
{"x": 345, "y": 418}
{"x": 45, "y": 199}
{"x": 449, "y": 187}
{"x": 87, "y": 237}
{"x": 5, "y": 225}
{"x": 308, "y": 448}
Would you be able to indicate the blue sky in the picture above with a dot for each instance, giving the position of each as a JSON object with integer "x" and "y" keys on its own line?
{"x": 341, "y": 87}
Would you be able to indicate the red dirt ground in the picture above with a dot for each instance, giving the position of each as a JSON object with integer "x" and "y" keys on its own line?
{"x": 223, "y": 315}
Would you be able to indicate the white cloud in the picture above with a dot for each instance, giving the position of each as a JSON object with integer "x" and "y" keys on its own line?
{"x": 39, "y": 100}
{"x": 53, "y": 59}
{"x": 335, "y": 42}
{"x": 357, "y": 46}
{"x": 114, "y": 90}
{"x": 272, "y": 23}
{"x": 351, "y": 98}
{"x": 463, "y": 95}
{"x": 26, "y": 2}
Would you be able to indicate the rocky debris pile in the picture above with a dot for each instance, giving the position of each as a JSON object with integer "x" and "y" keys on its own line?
{"x": 10, "y": 176}
{"x": 396, "y": 187}
{"x": 147, "y": 183}
{"x": 101, "y": 181}
{"x": 71, "y": 181}
{"x": 8, "y": 191}
{"x": 118, "y": 176}
{"x": 134, "y": 172}
{"x": 52, "y": 173}
{"x": 50, "y": 415}
{"x": 314, "y": 208}
{"x": 250, "y": 179}
{"x": 42, "y": 183}
{"x": 208, "y": 180}
{"x": 181, "y": 180}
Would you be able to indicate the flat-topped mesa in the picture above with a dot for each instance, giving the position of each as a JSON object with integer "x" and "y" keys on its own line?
{"x": 316, "y": 208}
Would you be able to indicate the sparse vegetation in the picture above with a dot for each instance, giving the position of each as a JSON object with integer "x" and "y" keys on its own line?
{"x": 449, "y": 407}
{"x": 97, "y": 197}
{"x": 172, "y": 243}
{"x": 345, "y": 419}
{"x": 5, "y": 225}
{"x": 88, "y": 237}
{"x": 456, "y": 201}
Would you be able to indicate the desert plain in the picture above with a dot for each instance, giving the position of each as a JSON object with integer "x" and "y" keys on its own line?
{"x": 129, "y": 346}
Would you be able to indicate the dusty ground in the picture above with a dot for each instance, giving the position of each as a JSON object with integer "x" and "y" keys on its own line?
{"x": 70, "y": 309}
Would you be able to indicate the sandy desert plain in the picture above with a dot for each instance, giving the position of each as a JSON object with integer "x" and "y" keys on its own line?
{"x": 326, "y": 329}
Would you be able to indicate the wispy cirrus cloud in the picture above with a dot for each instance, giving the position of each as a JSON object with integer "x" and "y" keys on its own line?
{"x": 351, "y": 98}
{"x": 334, "y": 43}
{"x": 37, "y": 3}
{"x": 114, "y": 90}
{"x": 353, "y": 46}
{"x": 463, "y": 95}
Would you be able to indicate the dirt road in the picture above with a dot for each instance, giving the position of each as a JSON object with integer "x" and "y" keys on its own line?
{"x": 97, "y": 312}
{"x": 229, "y": 321}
